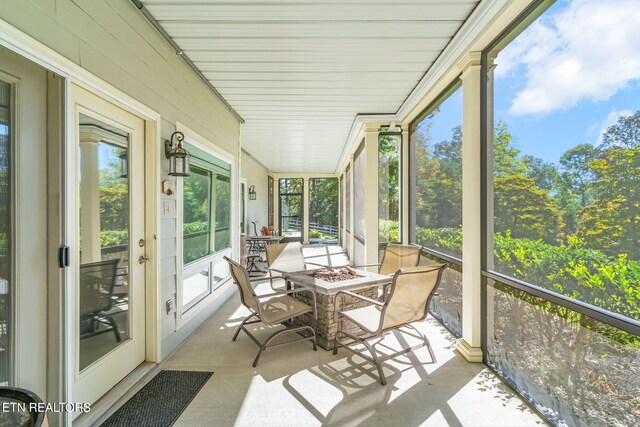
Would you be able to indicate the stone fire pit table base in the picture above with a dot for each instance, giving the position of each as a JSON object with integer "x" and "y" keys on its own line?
{"x": 366, "y": 284}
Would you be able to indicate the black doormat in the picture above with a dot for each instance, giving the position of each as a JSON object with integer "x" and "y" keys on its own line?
{"x": 161, "y": 401}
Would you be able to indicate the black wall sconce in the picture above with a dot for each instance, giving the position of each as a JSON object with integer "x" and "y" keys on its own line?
{"x": 252, "y": 192}
{"x": 124, "y": 164}
{"x": 177, "y": 155}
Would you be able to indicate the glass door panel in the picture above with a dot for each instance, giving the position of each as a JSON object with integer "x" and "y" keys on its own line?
{"x": 104, "y": 239}
{"x": 291, "y": 220}
{"x": 5, "y": 231}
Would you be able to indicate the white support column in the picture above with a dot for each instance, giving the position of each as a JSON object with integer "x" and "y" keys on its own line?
{"x": 351, "y": 240}
{"x": 404, "y": 185}
{"x": 371, "y": 194}
{"x": 305, "y": 211}
{"x": 470, "y": 343}
{"x": 90, "y": 193}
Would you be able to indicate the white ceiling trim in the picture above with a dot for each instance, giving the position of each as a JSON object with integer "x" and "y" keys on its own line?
{"x": 479, "y": 19}
{"x": 481, "y": 16}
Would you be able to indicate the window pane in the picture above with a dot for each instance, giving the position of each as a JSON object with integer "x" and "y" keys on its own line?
{"x": 574, "y": 369}
{"x": 347, "y": 199}
{"x": 220, "y": 271}
{"x": 291, "y": 206}
{"x": 223, "y": 213}
{"x": 436, "y": 176}
{"x": 5, "y": 232}
{"x": 323, "y": 210}
{"x": 270, "y": 202}
{"x": 196, "y": 211}
{"x": 565, "y": 154}
{"x": 195, "y": 287}
{"x": 389, "y": 187}
{"x": 359, "y": 163}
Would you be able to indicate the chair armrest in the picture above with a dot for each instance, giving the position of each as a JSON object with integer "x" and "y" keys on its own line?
{"x": 337, "y": 304}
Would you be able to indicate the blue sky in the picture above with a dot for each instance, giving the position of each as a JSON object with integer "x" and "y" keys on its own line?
{"x": 565, "y": 79}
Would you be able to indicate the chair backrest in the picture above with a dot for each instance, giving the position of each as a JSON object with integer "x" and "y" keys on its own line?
{"x": 410, "y": 294}
{"x": 97, "y": 280}
{"x": 399, "y": 256}
{"x": 255, "y": 228}
{"x": 241, "y": 278}
{"x": 285, "y": 256}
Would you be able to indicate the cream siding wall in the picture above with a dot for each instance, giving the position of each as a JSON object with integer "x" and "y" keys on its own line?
{"x": 256, "y": 175}
{"x": 112, "y": 40}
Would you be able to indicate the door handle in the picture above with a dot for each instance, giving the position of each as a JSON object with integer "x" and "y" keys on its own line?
{"x": 142, "y": 259}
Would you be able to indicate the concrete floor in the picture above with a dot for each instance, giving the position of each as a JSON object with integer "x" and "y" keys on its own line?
{"x": 295, "y": 386}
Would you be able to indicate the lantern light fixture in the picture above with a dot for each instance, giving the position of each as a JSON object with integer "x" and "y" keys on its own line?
{"x": 178, "y": 156}
{"x": 124, "y": 163}
{"x": 252, "y": 192}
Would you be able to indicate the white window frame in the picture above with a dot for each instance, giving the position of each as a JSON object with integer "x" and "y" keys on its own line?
{"x": 245, "y": 200}
{"x": 185, "y": 271}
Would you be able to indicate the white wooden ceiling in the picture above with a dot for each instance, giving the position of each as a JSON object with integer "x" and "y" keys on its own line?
{"x": 299, "y": 71}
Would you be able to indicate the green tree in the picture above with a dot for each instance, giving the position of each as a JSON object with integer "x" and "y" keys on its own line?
{"x": 323, "y": 201}
{"x": 506, "y": 157}
{"x": 388, "y": 184}
{"x": 544, "y": 174}
{"x": 526, "y": 210}
{"x": 612, "y": 221}
{"x": 427, "y": 168}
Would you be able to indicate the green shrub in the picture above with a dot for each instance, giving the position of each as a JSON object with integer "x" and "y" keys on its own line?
{"x": 388, "y": 230}
{"x": 315, "y": 234}
{"x": 194, "y": 227}
{"x": 114, "y": 238}
{"x": 571, "y": 269}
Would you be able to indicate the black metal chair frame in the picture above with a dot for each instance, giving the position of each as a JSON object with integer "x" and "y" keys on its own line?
{"x": 97, "y": 317}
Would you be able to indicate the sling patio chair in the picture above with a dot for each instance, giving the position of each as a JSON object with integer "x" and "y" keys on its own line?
{"x": 285, "y": 258}
{"x": 271, "y": 309}
{"x": 395, "y": 257}
{"x": 407, "y": 301}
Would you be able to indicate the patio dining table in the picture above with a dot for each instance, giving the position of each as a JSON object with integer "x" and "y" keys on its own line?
{"x": 365, "y": 283}
{"x": 256, "y": 243}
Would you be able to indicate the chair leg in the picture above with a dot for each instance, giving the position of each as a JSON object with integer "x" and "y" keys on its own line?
{"x": 241, "y": 325}
{"x": 114, "y": 326}
{"x": 376, "y": 361}
{"x": 426, "y": 342}
{"x": 265, "y": 345}
{"x": 336, "y": 343}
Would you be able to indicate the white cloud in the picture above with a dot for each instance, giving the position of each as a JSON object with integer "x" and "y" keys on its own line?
{"x": 587, "y": 51}
{"x": 612, "y": 119}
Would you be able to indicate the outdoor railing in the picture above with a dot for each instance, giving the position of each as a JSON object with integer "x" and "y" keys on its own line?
{"x": 296, "y": 224}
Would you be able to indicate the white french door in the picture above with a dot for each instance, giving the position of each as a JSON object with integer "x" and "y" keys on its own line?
{"x": 109, "y": 251}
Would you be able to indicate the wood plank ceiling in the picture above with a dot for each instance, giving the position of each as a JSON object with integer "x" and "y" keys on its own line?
{"x": 299, "y": 71}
